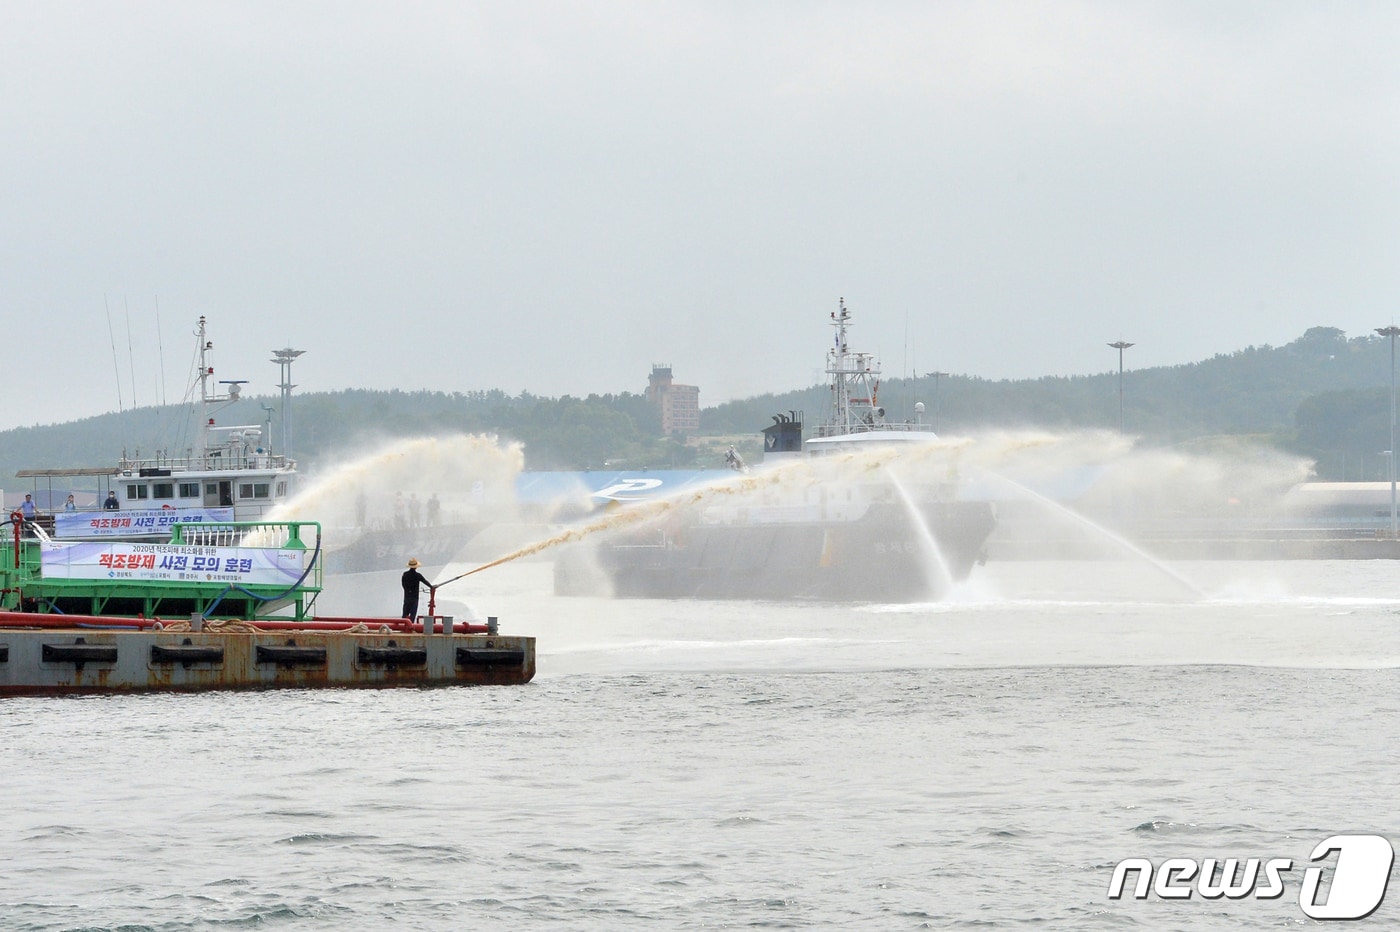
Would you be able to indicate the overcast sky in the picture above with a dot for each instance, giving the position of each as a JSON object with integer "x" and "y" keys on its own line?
{"x": 552, "y": 197}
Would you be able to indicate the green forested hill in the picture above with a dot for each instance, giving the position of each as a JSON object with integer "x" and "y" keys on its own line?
{"x": 1322, "y": 395}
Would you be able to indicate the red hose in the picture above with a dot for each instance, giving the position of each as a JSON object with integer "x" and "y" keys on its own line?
{"x": 35, "y": 620}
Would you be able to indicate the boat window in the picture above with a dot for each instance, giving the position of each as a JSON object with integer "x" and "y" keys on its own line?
{"x": 282, "y": 489}
{"x": 162, "y": 490}
{"x": 211, "y": 488}
{"x": 191, "y": 490}
{"x": 136, "y": 490}
{"x": 252, "y": 490}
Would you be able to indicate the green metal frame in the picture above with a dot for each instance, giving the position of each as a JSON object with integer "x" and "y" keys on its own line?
{"x": 23, "y": 586}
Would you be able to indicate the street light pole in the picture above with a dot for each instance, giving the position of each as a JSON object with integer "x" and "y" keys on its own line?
{"x": 1120, "y": 346}
{"x": 283, "y": 358}
{"x": 936, "y": 377}
{"x": 1392, "y": 331}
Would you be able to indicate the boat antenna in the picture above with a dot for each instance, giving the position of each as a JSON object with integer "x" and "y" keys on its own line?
{"x": 112, "y": 337}
{"x": 189, "y": 408}
{"x": 130, "y": 356}
{"x": 160, "y": 349}
{"x": 163, "y": 415}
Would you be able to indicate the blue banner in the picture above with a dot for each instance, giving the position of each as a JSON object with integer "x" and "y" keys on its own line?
{"x": 155, "y": 522}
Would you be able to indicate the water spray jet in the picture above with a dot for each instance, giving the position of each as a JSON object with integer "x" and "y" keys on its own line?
{"x": 944, "y": 582}
{"x": 1097, "y": 528}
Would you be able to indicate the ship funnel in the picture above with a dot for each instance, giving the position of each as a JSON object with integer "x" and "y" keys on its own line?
{"x": 784, "y": 435}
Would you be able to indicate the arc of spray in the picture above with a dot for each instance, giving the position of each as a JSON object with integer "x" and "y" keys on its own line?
{"x": 636, "y": 514}
{"x": 944, "y": 581}
{"x": 1100, "y": 529}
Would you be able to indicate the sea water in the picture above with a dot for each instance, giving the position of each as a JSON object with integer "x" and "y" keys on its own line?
{"x": 982, "y": 761}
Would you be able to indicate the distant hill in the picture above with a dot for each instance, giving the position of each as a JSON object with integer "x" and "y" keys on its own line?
{"x": 1323, "y": 396}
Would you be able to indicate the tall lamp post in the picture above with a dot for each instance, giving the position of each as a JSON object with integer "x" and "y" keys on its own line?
{"x": 1120, "y": 346}
{"x": 1392, "y": 331}
{"x": 936, "y": 376}
{"x": 269, "y": 410}
{"x": 283, "y": 358}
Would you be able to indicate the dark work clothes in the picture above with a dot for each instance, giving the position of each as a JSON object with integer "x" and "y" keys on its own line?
{"x": 412, "y": 580}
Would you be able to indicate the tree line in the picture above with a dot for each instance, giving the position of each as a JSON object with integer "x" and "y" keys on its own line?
{"x": 1323, "y": 396}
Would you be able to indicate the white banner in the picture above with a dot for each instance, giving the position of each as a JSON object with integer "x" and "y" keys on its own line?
{"x": 133, "y": 561}
{"x": 155, "y": 522}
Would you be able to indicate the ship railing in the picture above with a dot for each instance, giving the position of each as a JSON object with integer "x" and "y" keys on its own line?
{"x": 860, "y": 427}
{"x": 853, "y": 363}
{"x": 211, "y": 460}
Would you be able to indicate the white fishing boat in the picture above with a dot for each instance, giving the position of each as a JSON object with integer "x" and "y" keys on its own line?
{"x": 228, "y": 475}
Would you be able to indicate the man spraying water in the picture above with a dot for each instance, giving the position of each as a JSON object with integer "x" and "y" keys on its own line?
{"x": 413, "y": 583}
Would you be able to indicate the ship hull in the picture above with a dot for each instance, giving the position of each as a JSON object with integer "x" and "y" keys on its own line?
{"x": 375, "y": 550}
{"x": 884, "y": 556}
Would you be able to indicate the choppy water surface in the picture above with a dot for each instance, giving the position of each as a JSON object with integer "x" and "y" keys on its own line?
{"x": 700, "y": 765}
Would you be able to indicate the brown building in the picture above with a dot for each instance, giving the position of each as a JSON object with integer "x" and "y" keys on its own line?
{"x": 679, "y": 404}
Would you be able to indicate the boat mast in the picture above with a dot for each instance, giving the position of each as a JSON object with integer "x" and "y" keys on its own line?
{"x": 206, "y": 372}
{"x": 852, "y": 391}
{"x": 208, "y": 397}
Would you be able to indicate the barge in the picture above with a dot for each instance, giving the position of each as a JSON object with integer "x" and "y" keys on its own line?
{"x": 220, "y": 606}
